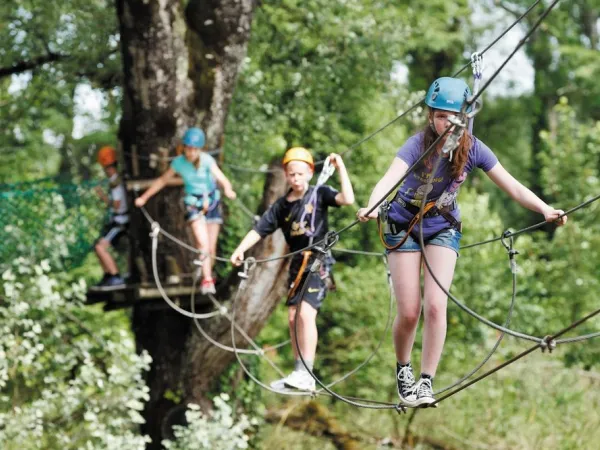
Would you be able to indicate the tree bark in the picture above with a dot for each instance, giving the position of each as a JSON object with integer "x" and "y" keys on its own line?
{"x": 180, "y": 68}
{"x": 255, "y": 304}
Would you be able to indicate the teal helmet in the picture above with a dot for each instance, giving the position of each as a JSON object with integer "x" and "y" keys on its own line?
{"x": 448, "y": 94}
{"x": 194, "y": 137}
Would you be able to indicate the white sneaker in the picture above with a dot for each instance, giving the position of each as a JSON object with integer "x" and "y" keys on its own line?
{"x": 406, "y": 385}
{"x": 300, "y": 379}
{"x": 424, "y": 392}
{"x": 278, "y": 385}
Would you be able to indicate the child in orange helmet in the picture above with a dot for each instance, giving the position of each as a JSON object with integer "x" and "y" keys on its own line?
{"x": 117, "y": 224}
{"x": 303, "y": 218}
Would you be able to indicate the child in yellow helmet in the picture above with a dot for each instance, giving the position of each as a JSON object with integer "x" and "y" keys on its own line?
{"x": 295, "y": 215}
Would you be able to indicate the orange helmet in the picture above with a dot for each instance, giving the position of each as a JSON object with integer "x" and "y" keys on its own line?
{"x": 107, "y": 156}
{"x": 299, "y": 154}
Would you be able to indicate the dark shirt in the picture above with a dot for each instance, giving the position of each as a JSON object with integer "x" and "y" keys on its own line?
{"x": 286, "y": 215}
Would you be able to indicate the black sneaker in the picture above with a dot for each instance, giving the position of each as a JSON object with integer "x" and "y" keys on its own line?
{"x": 112, "y": 283}
{"x": 406, "y": 384}
{"x": 424, "y": 392}
{"x": 102, "y": 282}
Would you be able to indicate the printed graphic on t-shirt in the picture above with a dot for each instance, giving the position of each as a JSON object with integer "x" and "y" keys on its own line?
{"x": 298, "y": 228}
{"x": 451, "y": 192}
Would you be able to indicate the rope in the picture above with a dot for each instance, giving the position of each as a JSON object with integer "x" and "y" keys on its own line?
{"x": 382, "y": 405}
{"x": 164, "y": 295}
{"x": 511, "y": 255}
{"x": 242, "y": 286}
{"x": 548, "y": 340}
{"x": 403, "y": 114}
{"x": 223, "y": 311}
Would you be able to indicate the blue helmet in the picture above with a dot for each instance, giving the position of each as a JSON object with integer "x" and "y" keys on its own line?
{"x": 194, "y": 137}
{"x": 448, "y": 94}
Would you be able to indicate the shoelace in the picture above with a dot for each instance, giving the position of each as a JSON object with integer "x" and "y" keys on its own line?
{"x": 405, "y": 375}
{"x": 424, "y": 388}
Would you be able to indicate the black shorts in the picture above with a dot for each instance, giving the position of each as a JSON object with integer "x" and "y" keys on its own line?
{"x": 314, "y": 293}
{"x": 113, "y": 232}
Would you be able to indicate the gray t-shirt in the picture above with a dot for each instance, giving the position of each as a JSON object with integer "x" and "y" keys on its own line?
{"x": 420, "y": 181}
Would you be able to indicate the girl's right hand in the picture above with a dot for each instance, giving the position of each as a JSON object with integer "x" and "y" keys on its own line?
{"x": 237, "y": 258}
{"x": 140, "y": 201}
{"x": 362, "y": 214}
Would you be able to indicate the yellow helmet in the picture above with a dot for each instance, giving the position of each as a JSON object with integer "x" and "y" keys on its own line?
{"x": 299, "y": 154}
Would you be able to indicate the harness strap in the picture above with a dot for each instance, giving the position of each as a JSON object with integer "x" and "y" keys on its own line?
{"x": 413, "y": 222}
{"x": 306, "y": 255}
{"x": 205, "y": 197}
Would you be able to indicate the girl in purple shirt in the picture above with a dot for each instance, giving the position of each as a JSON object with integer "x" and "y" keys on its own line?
{"x": 441, "y": 230}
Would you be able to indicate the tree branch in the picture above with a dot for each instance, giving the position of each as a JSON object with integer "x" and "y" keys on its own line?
{"x": 24, "y": 66}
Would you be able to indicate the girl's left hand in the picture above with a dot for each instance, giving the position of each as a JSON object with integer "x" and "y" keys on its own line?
{"x": 552, "y": 215}
{"x": 230, "y": 194}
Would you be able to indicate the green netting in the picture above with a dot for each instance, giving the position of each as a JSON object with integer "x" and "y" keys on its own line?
{"x": 45, "y": 220}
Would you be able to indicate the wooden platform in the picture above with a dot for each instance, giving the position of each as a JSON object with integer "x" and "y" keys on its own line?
{"x": 146, "y": 293}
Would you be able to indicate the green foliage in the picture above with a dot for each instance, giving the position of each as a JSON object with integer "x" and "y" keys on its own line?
{"x": 69, "y": 378}
{"x": 48, "y": 221}
{"x": 64, "y": 45}
{"x": 217, "y": 430}
{"x": 317, "y": 74}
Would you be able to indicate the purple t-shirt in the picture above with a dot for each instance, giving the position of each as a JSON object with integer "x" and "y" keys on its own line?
{"x": 419, "y": 182}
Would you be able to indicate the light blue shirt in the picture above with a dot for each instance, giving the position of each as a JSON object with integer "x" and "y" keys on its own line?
{"x": 197, "y": 181}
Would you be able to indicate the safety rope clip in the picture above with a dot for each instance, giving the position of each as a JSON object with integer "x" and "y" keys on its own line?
{"x": 477, "y": 64}
{"x": 459, "y": 126}
{"x": 155, "y": 226}
{"x": 548, "y": 344}
{"x": 327, "y": 170}
{"x": 508, "y": 234}
{"x": 384, "y": 209}
{"x": 400, "y": 408}
{"x": 198, "y": 262}
{"x": 331, "y": 238}
{"x": 249, "y": 265}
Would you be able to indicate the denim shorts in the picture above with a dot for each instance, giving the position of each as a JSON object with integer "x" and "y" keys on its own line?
{"x": 449, "y": 238}
{"x": 213, "y": 215}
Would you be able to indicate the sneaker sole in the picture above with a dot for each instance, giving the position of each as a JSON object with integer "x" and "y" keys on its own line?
{"x": 300, "y": 388}
{"x": 425, "y": 402}
{"x": 110, "y": 288}
{"x": 407, "y": 401}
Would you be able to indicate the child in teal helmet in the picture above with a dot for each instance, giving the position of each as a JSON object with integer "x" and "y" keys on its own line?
{"x": 442, "y": 230}
{"x": 200, "y": 175}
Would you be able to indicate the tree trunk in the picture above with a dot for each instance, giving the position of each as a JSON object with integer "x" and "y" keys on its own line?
{"x": 180, "y": 68}
{"x": 255, "y": 304}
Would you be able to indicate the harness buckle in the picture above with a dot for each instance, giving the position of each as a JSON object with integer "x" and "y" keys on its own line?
{"x": 384, "y": 209}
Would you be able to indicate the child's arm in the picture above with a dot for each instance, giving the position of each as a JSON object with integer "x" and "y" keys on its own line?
{"x": 155, "y": 187}
{"x": 102, "y": 195}
{"x": 395, "y": 172}
{"x": 223, "y": 181}
{"x": 249, "y": 240}
{"x": 524, "y": 196}
{"x": 268, "y": 223}
{"x": 346, "y": 195}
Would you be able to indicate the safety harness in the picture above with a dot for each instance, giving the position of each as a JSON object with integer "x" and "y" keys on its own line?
{"x": 311, "y": 205}
{"x": 431, "y": 208}
{"x": 384, "y": 225}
